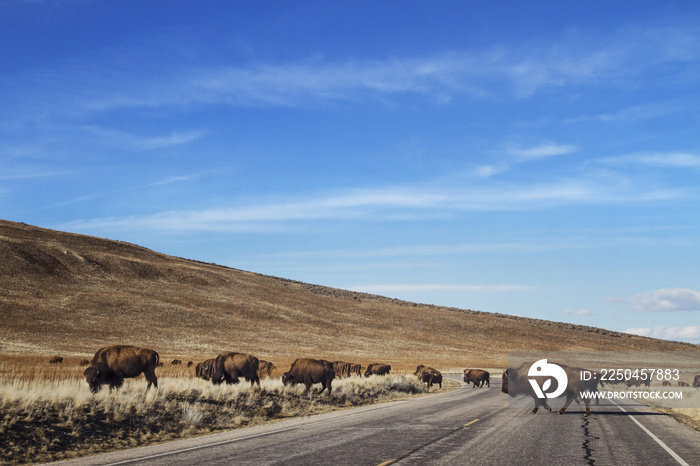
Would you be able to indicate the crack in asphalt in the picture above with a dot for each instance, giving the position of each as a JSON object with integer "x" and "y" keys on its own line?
{"x": 586, "y": 444}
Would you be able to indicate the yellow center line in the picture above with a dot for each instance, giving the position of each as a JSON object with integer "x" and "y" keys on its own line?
{"x": 470, "y": 423}
{"x": 386, "y": 463}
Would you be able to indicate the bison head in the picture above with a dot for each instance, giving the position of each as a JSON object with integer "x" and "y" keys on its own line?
{"x": 418, "y": 369}
{"x": 288, "y": 378}
{"x": 95, "y": 378}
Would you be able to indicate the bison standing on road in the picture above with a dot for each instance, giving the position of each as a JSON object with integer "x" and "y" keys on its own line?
{"x": 377, "y": 369}
{"x": 228, "y": 367}
{"x": 310, "y": 371}
{"x": 517, "y": 382}
{"x": 112, "y": 364}
{"x": 478, "y": 377}
{"x": 428, "y": 375}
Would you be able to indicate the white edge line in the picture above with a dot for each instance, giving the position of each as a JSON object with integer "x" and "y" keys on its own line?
{"x": 656, "y": 439}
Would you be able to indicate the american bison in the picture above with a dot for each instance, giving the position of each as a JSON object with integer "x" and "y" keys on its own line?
{"x": 189, "y": 363}
{"x": 683, "y": 384}
{"x": 265, "y": 368}
{"x": 310, "y": 371}
{"x": 428, "y": 375}
{"x": 56, "y": 360}
{"x": 517, "y": 382}
{"x": 84, "y": 362}
{"x": 377, "y": 369}
{"x": 228, "y": 367}
{"x": 342, "y": 369}
{"x": 176, "y": 362}
{"x": 205, "y": 370}
{"x": 696, "y": 381}
{"x": 112, "y": 364}
{"x": 666, "y": 383}
{"x": 478, "y": 377}
{"x": 356, "y": 369}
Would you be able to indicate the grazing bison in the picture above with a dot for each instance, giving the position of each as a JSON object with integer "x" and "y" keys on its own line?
{"x": 342, "y": 369}
{"x": 683, "y": 384}
{"x": 84, "y": 362}
{"x": 112, "y": 364}
{"x": 56, "y": 360}
{"x": 356, "y": 369}
{"x": 176, "y": 362}
{"x": 265, "y": 368}
{"x": 205, "y": 370}
{"x": 377, "y": 369}
{"x": 696, "y": 381}
{"x": 310, "y": 371}
{"x": 517, "y": 382}
{"x": 228, "y": 367}
{"x": 478, "y": 377}
{"x": 428, "y": 375}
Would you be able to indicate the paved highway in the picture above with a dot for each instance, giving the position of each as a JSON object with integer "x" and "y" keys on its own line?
{"x": 465, "y": 426}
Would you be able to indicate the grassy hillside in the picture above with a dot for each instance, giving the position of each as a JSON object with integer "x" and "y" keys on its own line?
{"x": 69, "y": 294}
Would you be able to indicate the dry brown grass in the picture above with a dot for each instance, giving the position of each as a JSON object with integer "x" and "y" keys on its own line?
{"x": 51, "y": 418}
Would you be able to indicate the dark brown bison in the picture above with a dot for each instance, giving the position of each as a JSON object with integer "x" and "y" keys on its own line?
{"x": 84, "y": 362}
{"x": 205, "y": 370}
{"x": 666, "y": 383}
{"x": 696, "y": 381}
{"x": 428, "y": 375}
{"x": 112, "y": 364}
{"x": 56, "y": 360}
{"x": 228, "y": 367}
{"x": 478, "y": 377}
{"x": 309, "y": 372}
{"x": 176, "y": 362}
{"x": 683, "y": 384}
{"x": 342, "y": 369}
{"x": 377, "y": 369}
{"x": 189, "y": 363}
{"x": 356, "y": 369}
{"x": 265, "y": 368}
{"x": 517, "y": 382}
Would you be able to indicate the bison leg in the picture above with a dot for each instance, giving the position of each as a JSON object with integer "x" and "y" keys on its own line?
{"x": 569, "y": 399}
{"x": 328, "y": 384}
{"x": 151, "y": 378}
{"x": 488, "y": 383}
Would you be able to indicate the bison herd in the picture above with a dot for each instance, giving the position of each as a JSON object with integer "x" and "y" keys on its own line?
{"x": 112, "y": 364}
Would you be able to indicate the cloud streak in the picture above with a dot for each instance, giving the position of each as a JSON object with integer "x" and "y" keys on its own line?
{"x": 690, "y": 334}
{"x": 663, "y": 300}
{"x": 387, "y": 203}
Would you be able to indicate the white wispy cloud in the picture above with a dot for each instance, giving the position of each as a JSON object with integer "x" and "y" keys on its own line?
{"x": 578, "y": 312}
{"x": 663, "y": 300}
{"x": 478, "y": 73}
{"x": 657, "y": 159}
{"x": 388, "y": 203}
{"x": 144, "y": 143}
{"x": 690, "y": 333}
{"x": 544, "y": 150}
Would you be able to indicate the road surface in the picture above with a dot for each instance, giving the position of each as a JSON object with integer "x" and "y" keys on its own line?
{"x": 464, "y": 426}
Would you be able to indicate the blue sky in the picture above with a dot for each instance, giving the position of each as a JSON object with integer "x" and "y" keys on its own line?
{"x": 533, "y": 160}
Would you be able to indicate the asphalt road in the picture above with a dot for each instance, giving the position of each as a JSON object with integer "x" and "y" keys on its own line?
{"x": 465, "y": 426}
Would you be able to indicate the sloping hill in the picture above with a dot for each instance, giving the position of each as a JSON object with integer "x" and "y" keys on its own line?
{"x": 63, "y": 293}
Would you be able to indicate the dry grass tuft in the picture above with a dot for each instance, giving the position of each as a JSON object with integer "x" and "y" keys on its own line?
{"x": 56, "y": 419}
